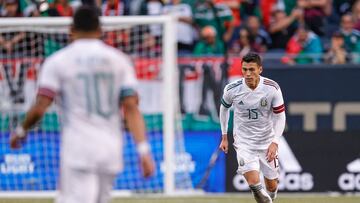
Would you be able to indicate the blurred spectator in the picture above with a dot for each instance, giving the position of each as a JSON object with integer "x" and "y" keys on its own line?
{"x": 118, "y": 38}
{"x": 210, "y": 43}
{"x": 134, "y": 7}
{"x": 192, "y": 3}
{"x": 261, "y": 39}
{"x": 343, "y": 6}
{"x": 289, "y": 5}
{"x": 356, "y": 14}
{"x": 10, "y": 42}
{"x": 115, "y": 38}
{"x": 113, "y": 8}
{"x": 11, "y": 9}
{"x": 142, "y": 43}
{"x": 303, "y": 48}
{"x": 283, "y": 27}
{"x": 61, "y": 8}
{"x": 36, "y": 8}
{"x": 242, "y": 46}
{"x": 185, "y": 39}
{"x": 127, "y": 5}
{"x": 351, "y": 36}
{"x": 266, "y": 8}
{"x": 153, "y": 7}
{"x": 337, "y": 53}
{"x": 214, "y": 77}
{"x": 249, "y": 8}
{"x": 32, "y": 11}
{"x": 234, "y": 6}
{"x": 217, "y": 16}
{"x": 315, "y": 12}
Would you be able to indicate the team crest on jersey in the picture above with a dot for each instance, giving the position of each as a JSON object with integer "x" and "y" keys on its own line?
{"x": 263, "y": 102}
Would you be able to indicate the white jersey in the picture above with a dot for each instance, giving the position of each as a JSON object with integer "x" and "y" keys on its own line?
{"x": 253, "y": 109}
{"x": 184, "y": 30}
{"x": 88, "y": 77}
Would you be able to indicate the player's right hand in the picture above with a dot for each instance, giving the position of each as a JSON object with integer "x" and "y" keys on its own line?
{"x": 16, "y": 141}
{"x": 224, "y": 145}
{"x": 147, "y": 164}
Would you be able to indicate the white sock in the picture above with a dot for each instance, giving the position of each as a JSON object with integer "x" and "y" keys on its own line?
{"x": 261, "y": 196}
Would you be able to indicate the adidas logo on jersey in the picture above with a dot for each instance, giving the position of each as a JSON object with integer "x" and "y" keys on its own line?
{"x": 241, "y": 103}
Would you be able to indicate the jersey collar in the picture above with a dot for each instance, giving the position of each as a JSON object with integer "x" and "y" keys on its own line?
{"x": 258, "y": 86}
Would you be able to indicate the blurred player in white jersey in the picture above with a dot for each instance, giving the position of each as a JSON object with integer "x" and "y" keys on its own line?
{"x": 259, "y": 121}
{"x": 93, "y": 81}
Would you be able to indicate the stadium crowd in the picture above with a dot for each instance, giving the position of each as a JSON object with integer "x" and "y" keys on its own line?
{"x": 297, "y": 32}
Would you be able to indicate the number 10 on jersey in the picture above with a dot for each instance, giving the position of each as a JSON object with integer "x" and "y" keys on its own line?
{"x": 99, "y": 93}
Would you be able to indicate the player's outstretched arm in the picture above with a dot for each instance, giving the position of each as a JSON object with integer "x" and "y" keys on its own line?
{"x": 32, "y": 116}
{"x": 136, "y": 125}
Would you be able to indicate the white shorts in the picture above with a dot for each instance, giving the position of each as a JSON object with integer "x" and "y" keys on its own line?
{"x": 255, "y": 160}
{"x": 79, "y": 186}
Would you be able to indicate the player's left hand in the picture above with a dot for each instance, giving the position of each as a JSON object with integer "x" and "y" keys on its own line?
{"x": 271, "y": 152}
{"x": 147, "y": 164}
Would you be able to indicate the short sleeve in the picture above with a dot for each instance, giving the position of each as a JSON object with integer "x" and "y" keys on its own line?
{"x": 278, "y": 102}
{"x": 226, "y": 99}
{"x": 128, "y": 80}
{"x": 128, "y": 73}
{"x": 49, "y": 79}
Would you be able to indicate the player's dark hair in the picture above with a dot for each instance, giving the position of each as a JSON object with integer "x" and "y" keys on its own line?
{"x": 252, "y": 57}
{"x": 86, "y": 19}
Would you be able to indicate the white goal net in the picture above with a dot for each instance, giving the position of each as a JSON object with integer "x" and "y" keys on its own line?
{"x": 150, "y": 43}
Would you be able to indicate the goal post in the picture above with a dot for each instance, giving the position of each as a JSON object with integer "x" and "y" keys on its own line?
{"x": 169, "y": 100}
{"x": 155, "y": 60}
